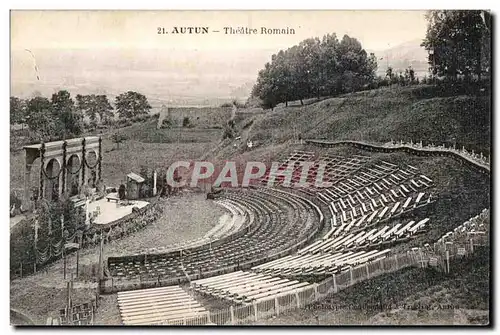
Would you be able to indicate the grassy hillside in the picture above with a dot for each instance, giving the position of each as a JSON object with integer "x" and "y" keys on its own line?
{"x": 399, "y": 113}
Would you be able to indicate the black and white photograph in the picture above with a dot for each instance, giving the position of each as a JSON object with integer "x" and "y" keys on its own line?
{"x": 181, "y": 168}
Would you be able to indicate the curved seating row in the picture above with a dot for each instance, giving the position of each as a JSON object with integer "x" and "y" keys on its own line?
{"x": 373, "y": 216}
{"x": 280, "y": 221}
{"x": 247, "y": 287}
{"x": 243, "y": 218}
{"x": 235, "y": 223}
{"x": 373, "y": 238}
{"x": 378, "y": 175}
{"x": 318, "y": 264}
{"x": 329, "y": 168}
{"x": 158, "y": 306}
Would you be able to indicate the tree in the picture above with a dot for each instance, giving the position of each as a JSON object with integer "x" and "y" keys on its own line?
{"x": 312, "y": 68}
{"x": 263, "y": 89}
{"x": 411, "y": 75}
{"x": 389, "y": 73}
{"x": 311, "y": 56}
{"x": 104, "y": 108}
{"x": 95, "y": 105}
{"x": 131, "y": 104}
{"x": 458, "y": 42}
{"x": 356, "y": 67}
{"x": 401, "y": 78}
{"x": 39, "y": 118}
{"x": 329, "y": 63}
{"x": 49, "y": 215}
{"x": 118, "y": 138}
{"x": 67, "y": 121}
{"x": 17, "y": 110}
{"x": 73, "y": 218}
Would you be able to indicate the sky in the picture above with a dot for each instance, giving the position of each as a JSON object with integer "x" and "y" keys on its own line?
{"x": 138, "y": 29}
{"x": 109, "y": 52}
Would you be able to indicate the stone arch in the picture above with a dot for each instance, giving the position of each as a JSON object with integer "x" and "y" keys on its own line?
{"x": 73, "y": 174}
{"x": 52, "y": 179}
{"x": 91, "y": 165}
{"x": 51, "y": 175}
{"x": 34, "y": 179}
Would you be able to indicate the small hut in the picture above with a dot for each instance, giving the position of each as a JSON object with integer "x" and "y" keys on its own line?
{"x": 134, "y": 185}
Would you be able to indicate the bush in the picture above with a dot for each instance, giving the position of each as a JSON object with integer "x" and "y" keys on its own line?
{"x": 166, "y": 123}
{"x": 16, "y": 203}
{"x": 118, "y": 138}
{"x": 248, "y": 124}
{"x": 14, "y": 199}
{"x": 186, "y": 122}
{"x": 234, "y": 102}
{"x": 140, "y": 118}
{"x": 228, "y": 133}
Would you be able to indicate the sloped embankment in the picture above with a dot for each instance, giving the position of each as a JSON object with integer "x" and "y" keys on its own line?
{"x": 398, "y": 113}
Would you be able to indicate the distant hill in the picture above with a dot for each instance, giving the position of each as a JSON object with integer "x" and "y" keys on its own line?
{"x": 402, "y": 56}
{"x": 172, "y": 77}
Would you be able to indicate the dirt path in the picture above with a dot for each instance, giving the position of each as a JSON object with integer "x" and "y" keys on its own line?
{"x": 16, "y": 219}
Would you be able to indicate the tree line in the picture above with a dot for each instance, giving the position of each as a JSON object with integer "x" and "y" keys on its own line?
{"x": 62, "y": 117}
{"x": 458, "y": 44}
{"x": 315, "y": 68}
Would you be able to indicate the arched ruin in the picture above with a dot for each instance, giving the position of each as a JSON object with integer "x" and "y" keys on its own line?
{"x": 65, "y": 166}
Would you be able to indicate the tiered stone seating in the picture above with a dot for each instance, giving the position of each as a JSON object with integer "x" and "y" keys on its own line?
{"x": 356, "y": 216}
{"x": 477, "y": 225}
{"x": 361, "y": 201}
{"x": 335, "y": 169}
{"x": 318, "y": 264}
{"x": 384, "y": 192}
{"x": 248, "y": 287}
{"x": 385, "y": 235}
{"x": 158, "y": 306}
{"x": 380, "y": 178}
{"x": 233, "y": 225}
{"x": 281, "y": 220}
{"x": 294, "y": 159}
{"x": 339, "y": 168}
